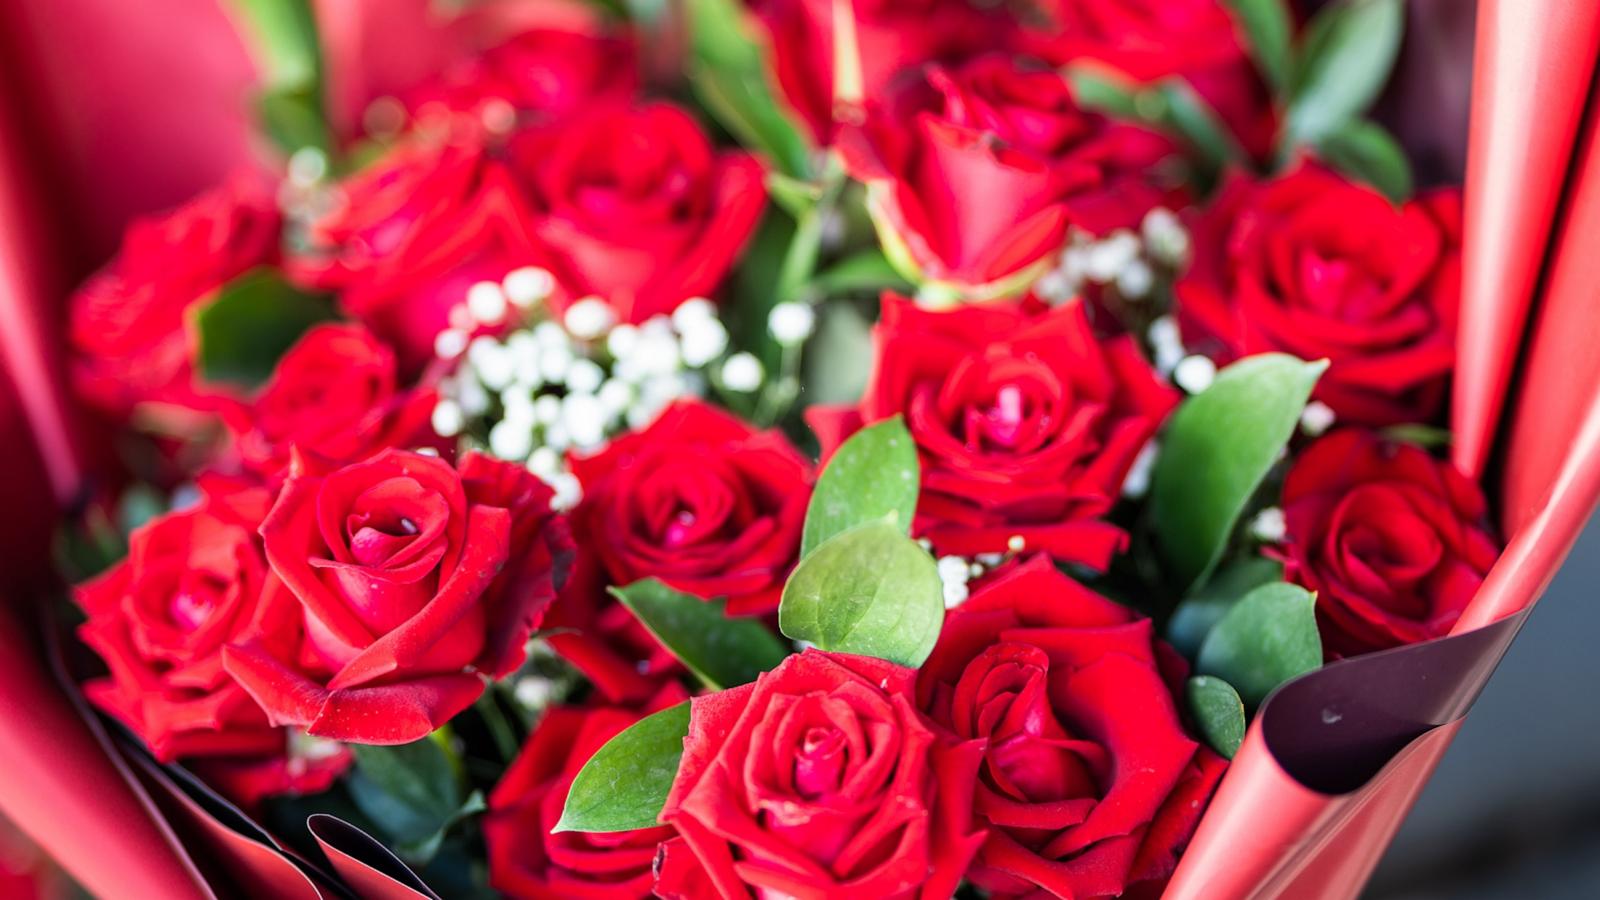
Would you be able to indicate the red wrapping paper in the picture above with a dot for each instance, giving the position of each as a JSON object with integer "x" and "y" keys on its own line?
{"x": 1532, "y": 72}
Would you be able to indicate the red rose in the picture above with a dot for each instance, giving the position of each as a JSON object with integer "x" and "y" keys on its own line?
{"x": 397, "y": 564}
{"x": 413, "y": 232}
{"x": 1319, "y": 267}
{"x": 1394, "y": 542}
{"x": 891, "y": 35}
{"x": 335, "y": 393}
{"x": 1089, "y": 783}
{"x": 131, "y": 329}
{"x": 638, "y": 206}
{"x": 977, "y": 172}
{"x": 1025, "y": 422}
{"x": 526, "y": 861}
{"x": 699, "y": 500}
{"x": 546, "y": 74}
{"x": 194, "y": 581}
{"x": 822, "y": 779}
{"x": 1197, "y": 40}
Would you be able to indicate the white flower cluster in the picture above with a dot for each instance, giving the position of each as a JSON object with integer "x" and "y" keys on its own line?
{"x": 1124, "y": 259}
{"x": 553, "y": 385}
{"x": 955, "y": 572}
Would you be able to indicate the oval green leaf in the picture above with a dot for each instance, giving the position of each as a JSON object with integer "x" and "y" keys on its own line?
{"x": 870, "y": 591}
{"x": 1366, "y": 152}
{"x": 1218, "y": 447}
{"x": 720, "y": 651}
{"x": 1218, "y": 713}
{"x": 1206, "y": 605}
{"x": 728, "y": 71}
{"x": 1267, "y": 638}
{"x": 625, "y": 784}
{"x": 1345, "y": 60}
{"x": 252, "y": 322}
{"x": 872, "y": 476}
{"x": 1266, "y": 26}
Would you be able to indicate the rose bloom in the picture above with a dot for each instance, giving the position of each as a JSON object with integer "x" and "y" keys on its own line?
{"x": 1394, "y": 542}
{"x": 412, "y": 233}
{"x": 1089, "y": 783}
{"x": 700, "y": 500}
{"x": 1320, "y": 267}
{"x": 527, "y": 861}
{"x": 1196, "y": 40}
{"x": 335, "y": 393}
{"x": 976, "y": 172}
{"x": 821, "y": 779}
{"x": 893, "y": 36}
{"x": 638, "y": 206}
{"x": 194, "y": 581}
{"x": 541, "y": 76}
{"x": 400, "y": 567}
{"x": 131, "y": 330}
{"x": 1025, "y": 422}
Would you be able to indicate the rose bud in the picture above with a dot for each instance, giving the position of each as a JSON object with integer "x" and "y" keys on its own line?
{"x": 1196, "y": 40}
{"x": 399, "y": 564}
{"x": 335, "y": 393}
{"x": 700, "y": 500}
{"x": 975, "y": 173}
{"x": 892, "y": 37}
{"x": 1025, "y": 422}
{"x": 1320, "y": 267}
{"x": 638, "y": 206}
{"x": 194, "y": 581}
{"x": 1089, "y": 783}
{"x": 130, "y": 324}
{"x": 821, "y": 779}
{"x": 412, "y": 233}
{"x": 1394, "y": 542}
{"x": 527, "y": 861}
{"x": 542, "y": 75}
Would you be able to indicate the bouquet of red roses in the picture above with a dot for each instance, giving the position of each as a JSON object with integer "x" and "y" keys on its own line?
{"x": 810, "y": 447}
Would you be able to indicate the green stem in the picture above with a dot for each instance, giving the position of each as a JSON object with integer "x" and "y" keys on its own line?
{"x": 505, "y": 738}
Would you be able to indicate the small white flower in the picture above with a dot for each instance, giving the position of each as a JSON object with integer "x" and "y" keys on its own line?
{"x": 791, "y": 323}
{"x": 1074, "y": 265}
{"x": 990, "y": 560}
{"x": 473, "y": 398}
{"x": 486, "y": 302}
{"x": 567, "y": 489}
{"x": 658, "y": 353}
{"x": 307, "y": 166}
{"x": 547, "y": 409}
{"x": 703, "y": 341}
{"x": 742, "y": 372}
{"x": 584, "y": 419}
{"x": 447, "y": 418}
{"x": 692, "y": 311}
{"x": 1269, "y": 525}
{"x": 550, "y": 334}
{"x": 449, "y": 343}
{"x": 534, "y": 692}
{"x": 494, "y": 366}
{"x": 544, "y": 462}
{"x": 615, "y": 396}
{"x": 528, "y": 285}
{"x": 517, "y": 401}
{"x": 554, "y": 363}
{"x": 1317, "y": 418}
{"x": 955, "y": 594}
{"x": 1016, "y": 544}
{"x": 953, "y": 569}
{"x": 510, "y": 440}
{"x": 589, "y": 318}
{"x": 1109, "y": 256}
{"x": 523, "y": 349}
{"x": 1195, "y": 373}
{"x": 1166, "y": 342}
{"x": 1137, "y": 482}
{"x": 584, "y": 376}
{"x": 556, "y": 437}
{"x": 1054, "y": 287}
{"x": 498, "y": 116}
{"x": 1135, "y": 280}
{"x": 622, "y": 340}
{"x": 1166, "y": 237}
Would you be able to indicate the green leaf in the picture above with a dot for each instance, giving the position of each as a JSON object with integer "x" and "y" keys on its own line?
{"x": 870, "y": 591}
{"x": 292, "y": 117}
{"x": 1431, "y": 437}
{"x": 1266, "y": 26}
{"x": 283, "y": 38}
{"x": 838, "y": 361}
{"x": 873, "y": 476}
{"x": 1218, "y": 447}
{"x": 868, "y": 270}
{"x": 412, "y": 792}
{"x": 720, "y": 651}
{"x": 1366, "y": 152}
{"x": 255, "y": 318}
{"x": 1096, "y": 90}
{"x": 728, "y": 71}
{"x": 625, "y": 784}
{"x": 421, "y": 852}
{"x": 1218, "y": 713}
{"x": 794, "y": 196}
{"x": 1345, "y": 59}
{"x": 1267, "y": 638}
{"x": 1187, "y": 115}
{"x": 1204, "y": 607}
